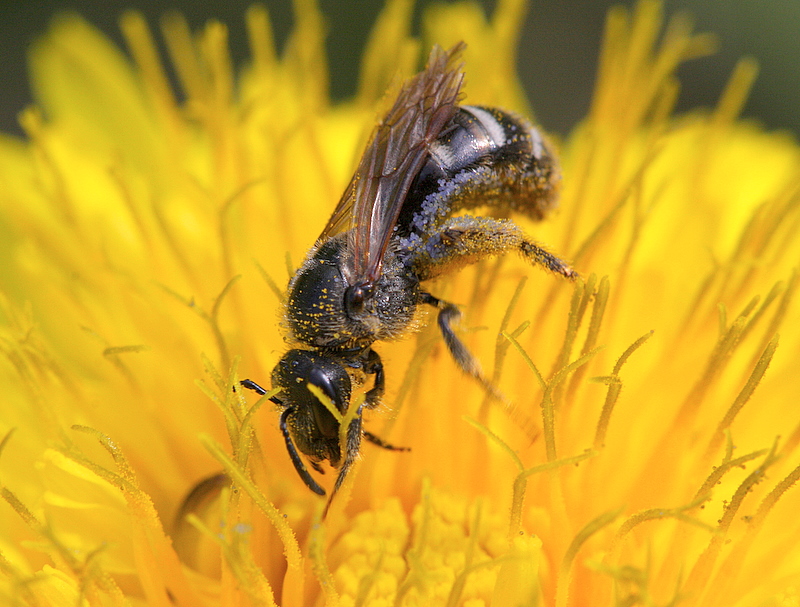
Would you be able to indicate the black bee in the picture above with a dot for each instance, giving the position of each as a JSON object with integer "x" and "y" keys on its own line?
{"x": 392, "y": 230}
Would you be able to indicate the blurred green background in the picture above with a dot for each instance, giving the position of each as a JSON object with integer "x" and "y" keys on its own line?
{"x": 557, "y": 57}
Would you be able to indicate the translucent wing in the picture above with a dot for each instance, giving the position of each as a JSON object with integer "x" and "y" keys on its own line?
{"x": 395, "y": 154}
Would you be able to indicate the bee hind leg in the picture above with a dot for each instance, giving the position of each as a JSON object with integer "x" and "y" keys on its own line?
{"x": 464, "y": 240}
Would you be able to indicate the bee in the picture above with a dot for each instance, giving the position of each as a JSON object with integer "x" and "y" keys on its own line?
{"x": 395, "y": 228}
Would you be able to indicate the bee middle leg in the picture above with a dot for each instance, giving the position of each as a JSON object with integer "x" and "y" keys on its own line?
{"x": 448, "y": 315}
{"x": 374, "y": 366}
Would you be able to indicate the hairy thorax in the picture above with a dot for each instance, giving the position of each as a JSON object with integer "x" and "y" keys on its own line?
{"x": 317, "y": 310}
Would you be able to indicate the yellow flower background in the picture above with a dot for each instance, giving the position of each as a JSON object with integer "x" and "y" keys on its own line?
{"x": 650, "y": 454}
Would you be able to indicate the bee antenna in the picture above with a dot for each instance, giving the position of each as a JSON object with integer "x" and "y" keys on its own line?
{"x": 251, "y": 385}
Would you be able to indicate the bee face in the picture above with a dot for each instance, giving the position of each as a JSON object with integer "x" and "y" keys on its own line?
{"x": 394, "y": 228}
{"x": 312, "y": 426}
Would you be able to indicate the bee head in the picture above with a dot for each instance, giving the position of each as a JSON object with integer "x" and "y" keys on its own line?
{"x": 313, "y": 427}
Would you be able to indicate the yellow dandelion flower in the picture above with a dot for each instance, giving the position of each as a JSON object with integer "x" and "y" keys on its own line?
{"x": 652, "y": 451}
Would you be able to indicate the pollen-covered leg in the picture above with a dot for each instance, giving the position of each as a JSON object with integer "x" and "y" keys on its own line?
{"x": 464, "y": 240}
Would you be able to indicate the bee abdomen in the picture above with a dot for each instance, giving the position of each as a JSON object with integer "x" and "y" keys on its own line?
{"x": 485, "y": 157}
{"x": 481, "y": 134}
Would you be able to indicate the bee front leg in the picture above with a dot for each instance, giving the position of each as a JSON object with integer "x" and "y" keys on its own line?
{"x": 295, "y": 456}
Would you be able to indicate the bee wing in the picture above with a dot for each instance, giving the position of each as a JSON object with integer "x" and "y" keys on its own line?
{"x": 395, "y": 154}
